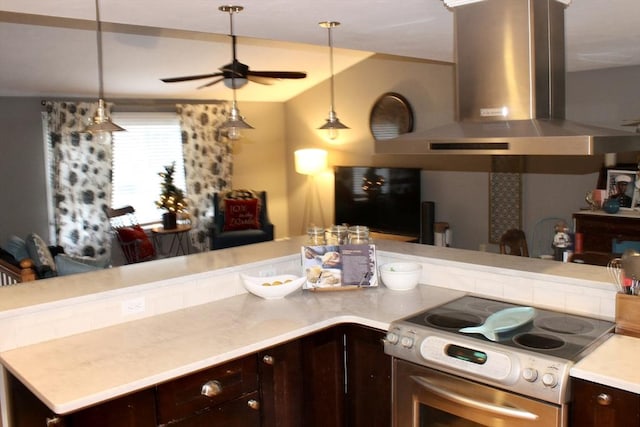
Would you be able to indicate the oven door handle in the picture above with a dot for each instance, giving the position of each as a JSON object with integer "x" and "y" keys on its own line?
{"x": 467, "y": 401}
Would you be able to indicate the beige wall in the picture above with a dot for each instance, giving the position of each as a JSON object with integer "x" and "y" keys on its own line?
{"x": 259, "y": 159}
{"x": 427, "y": 86}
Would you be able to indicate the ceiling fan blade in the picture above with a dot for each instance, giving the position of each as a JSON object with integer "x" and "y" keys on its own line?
{"x": 278, "y": 74}
{"x": 211, "y": 83}
{"x": 188, "y": 78}
{"x": 261, "y": 80}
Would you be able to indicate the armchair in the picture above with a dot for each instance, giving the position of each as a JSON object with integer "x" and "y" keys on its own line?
{"x": 134, "y": 242}
{"x": 240, "y": 218}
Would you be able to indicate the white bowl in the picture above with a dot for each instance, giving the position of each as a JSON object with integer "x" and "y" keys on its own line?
{"x": 264, "y": 286}
{"x": 400, "y": 276}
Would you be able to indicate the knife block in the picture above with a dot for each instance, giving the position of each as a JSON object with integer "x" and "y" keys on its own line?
{"x": 628, "y": 315}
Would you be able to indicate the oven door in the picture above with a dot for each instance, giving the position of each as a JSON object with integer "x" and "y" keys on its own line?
{"x": 423, "y": 397}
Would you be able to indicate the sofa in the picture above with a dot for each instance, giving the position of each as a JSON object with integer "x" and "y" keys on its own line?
{"x": 31, "y": 258}
{"x": 240, "y": 218}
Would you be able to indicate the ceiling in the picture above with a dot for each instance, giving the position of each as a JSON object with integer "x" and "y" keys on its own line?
{"x": 48, "y": 48}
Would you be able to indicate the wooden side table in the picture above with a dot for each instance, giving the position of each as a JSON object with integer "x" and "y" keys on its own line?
{"x": 177, "y": 239}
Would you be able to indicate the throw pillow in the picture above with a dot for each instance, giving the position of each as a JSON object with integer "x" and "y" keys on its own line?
{"x": 39, "y": 252}
{"x": 241, "y": 214}
{"x": 67, "y": 264}
{"x": 136, "y": 232}
{"x": 17, "y": 247}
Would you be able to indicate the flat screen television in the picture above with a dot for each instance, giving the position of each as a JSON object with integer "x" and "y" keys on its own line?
{"x": 385, "y": 199}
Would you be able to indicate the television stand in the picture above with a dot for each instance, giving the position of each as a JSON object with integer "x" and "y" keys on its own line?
{"x": 399, "y": 237}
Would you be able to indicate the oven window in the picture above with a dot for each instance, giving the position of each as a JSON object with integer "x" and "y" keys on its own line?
{"x": 432, "y": 417}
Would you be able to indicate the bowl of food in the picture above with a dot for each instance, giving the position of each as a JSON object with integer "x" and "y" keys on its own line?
{"x": 400, "y": 276}
{"x": 272, "y": 287}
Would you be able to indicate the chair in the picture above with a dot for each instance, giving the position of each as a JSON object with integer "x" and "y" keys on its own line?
{"x": 134, "y": 242}
{"x": 240, "y": 218}
{"x": 514, "y": 242}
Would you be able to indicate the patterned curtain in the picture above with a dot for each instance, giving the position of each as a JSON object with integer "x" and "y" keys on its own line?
{"x": 80, "y": 179}
{"x": 208, "y": 163}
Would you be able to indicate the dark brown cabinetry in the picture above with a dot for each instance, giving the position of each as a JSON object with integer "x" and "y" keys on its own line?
{"x": 337, "y": 377}
{"x": 599, "y": 230}
{"x": 225, "y": 394}
{"x": 595, "y": 405}
{"x": 368, "y": 402}
{"x": 281, "y": 385}
{"x": 133, "y": 410}
{"x": 323, "y": 368}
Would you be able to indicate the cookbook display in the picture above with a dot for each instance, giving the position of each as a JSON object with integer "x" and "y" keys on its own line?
{"x": 339, "y": 267}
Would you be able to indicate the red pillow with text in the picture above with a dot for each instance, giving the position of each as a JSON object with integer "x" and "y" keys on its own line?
{"x": 130, "y": 234}
{"x": 241, "y": 214}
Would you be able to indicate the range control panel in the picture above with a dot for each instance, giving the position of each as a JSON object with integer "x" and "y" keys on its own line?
{"x": 520, "y": 371}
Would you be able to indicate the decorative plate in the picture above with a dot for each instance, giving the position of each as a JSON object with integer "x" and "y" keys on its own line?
{"x": 391, "y": 116}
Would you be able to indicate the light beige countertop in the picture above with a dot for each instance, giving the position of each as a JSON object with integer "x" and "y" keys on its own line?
{"x": 80, "y": 370}
{"x": 614, "y": 363}
{"x": 71, "y": 341}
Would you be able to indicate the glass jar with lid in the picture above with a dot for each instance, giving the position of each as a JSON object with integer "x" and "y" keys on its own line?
{"x": 358, "y": 235}
{"x": 337, "y": 235}
{"x": 315, "y": 235}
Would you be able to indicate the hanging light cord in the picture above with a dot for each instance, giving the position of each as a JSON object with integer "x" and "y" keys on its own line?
{"x": 331, "y": 64}
{"x": 99, "y": 42}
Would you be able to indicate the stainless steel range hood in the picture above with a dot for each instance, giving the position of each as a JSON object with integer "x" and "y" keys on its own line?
{"x": 510, "y": 76}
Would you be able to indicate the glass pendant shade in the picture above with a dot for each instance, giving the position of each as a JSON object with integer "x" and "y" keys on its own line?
{"x": 101, "y": 122}
{"x": 235, "y": 122}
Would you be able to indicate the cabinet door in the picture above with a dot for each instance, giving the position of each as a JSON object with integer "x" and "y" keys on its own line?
{"x": 134, "y": 410}
{"x": 595, "y": 405}
{"x": 280, "y": 371}
{"x": 368, "y": 402}
{"x": 323, "y": 370}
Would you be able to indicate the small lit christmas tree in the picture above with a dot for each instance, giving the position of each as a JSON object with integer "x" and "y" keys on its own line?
{"x": 171, "y": 198}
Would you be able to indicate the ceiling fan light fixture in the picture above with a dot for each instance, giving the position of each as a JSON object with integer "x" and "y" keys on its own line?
{"x": 332, "y": 123}
{"x": 235, "y": 82}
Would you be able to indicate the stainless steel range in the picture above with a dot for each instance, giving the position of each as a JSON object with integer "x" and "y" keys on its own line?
{"x": 479, "y": 362}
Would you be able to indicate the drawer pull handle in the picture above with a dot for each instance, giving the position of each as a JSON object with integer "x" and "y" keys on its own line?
{"x": 211, "y": 388}
{"x": 604, "y": 399}
{"x": 53, "y": 422}
{"x": 253, "y": 404}
{"x": 268, "y": 360}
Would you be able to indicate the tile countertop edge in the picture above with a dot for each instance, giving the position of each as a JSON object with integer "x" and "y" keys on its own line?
{"x": 614, "y": 363}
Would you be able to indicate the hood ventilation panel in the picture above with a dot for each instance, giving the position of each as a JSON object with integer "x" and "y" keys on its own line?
{"x": 510, "y": 77}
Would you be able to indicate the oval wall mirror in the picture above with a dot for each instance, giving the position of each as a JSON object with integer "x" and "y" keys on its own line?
{"x": 391, "y": 116}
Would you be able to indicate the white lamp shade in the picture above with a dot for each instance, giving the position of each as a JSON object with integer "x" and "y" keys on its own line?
{"x": 310, "y": 161}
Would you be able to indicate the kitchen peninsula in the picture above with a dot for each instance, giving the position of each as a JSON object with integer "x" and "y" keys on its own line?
{"x": 84, "y": 339}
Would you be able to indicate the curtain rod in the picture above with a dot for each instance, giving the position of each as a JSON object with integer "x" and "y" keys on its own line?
{"x": 141, "y": 102}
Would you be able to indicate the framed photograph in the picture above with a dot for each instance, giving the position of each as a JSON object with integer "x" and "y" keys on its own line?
{"x": 621, "y": 184}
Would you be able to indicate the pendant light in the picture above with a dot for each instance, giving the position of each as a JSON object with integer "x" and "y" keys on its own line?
{"x": 333, "y": 123}
{"x": 235, "y": 122}
{"x": 101, "y": 123}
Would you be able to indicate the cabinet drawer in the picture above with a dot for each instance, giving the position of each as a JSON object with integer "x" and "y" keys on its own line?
{"x": 184, "y": 396}
{"x": 235, "y": 413}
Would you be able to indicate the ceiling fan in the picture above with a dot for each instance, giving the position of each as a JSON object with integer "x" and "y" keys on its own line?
{"x": 236, "y": 74}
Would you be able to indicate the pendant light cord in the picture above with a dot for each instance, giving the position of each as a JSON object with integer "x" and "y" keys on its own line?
{"x": 99, "y": 42}
{"x": 331, "y": 65}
